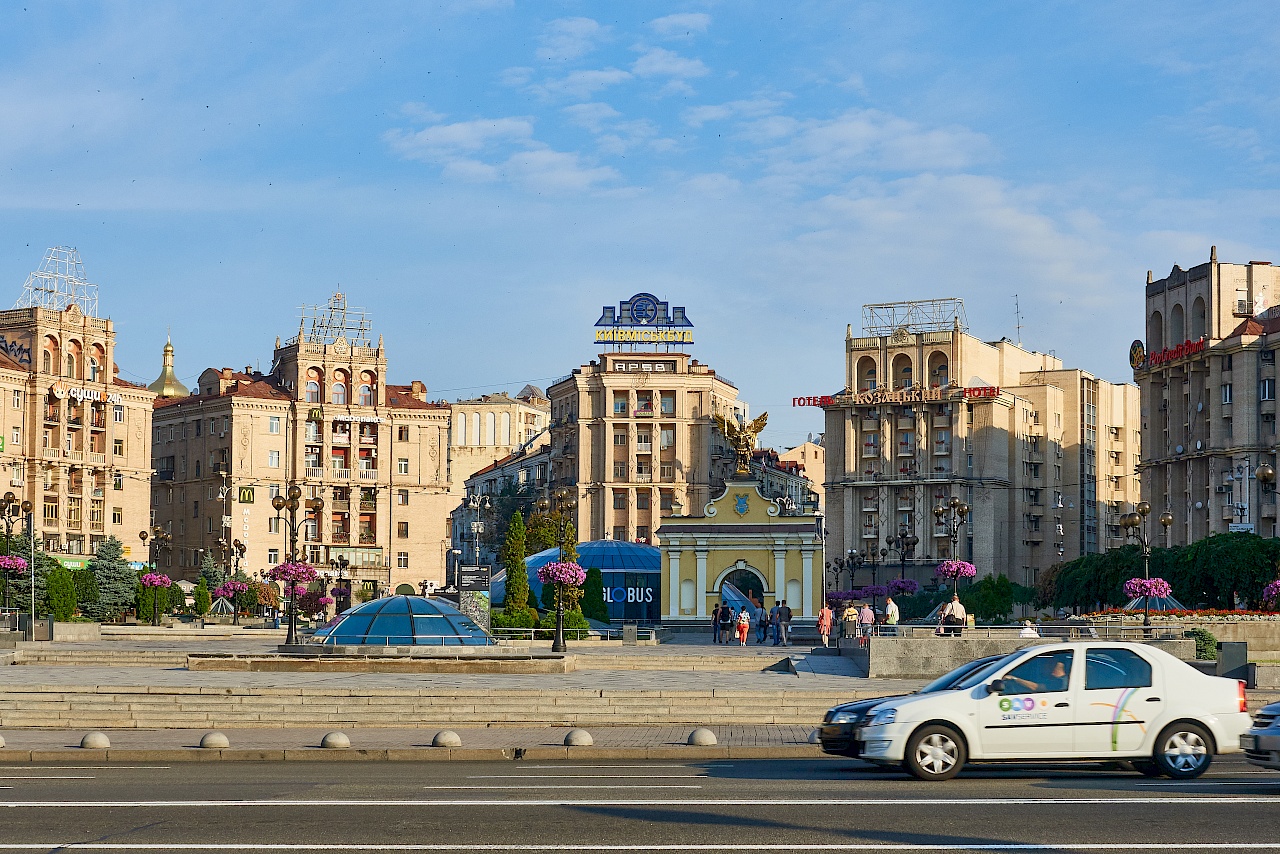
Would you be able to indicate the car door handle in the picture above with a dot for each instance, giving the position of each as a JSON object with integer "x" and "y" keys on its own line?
{"x": 1153, "y": 699}
{"x": 1061, "y": 705}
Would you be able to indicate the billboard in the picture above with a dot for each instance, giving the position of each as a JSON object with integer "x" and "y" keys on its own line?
{"x": 473, "y": 593}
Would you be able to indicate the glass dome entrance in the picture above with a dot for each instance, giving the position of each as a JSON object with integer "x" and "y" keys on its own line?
{"x": 403, "y": 621}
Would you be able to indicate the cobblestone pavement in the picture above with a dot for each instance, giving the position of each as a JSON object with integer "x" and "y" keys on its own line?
{"x": 381, "y": 738}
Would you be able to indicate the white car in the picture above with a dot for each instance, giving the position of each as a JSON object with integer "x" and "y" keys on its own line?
{"x": 1071, "y": 702}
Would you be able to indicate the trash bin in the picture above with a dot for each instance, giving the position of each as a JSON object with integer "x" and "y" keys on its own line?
{"x": 630, "y": 635}
{"x": 1233, "y": 660}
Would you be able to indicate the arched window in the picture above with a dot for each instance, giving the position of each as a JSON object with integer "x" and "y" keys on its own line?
{"x": 339, "y": 393}
{"x": 46, "y": 362}
{"x": 1177, "y": 326}
{"x": 1197, "y": 319}
{"x": 1155, "y": 332}
{"x": 313, "y": 391}
{"x": 902, "y": 371}
{"x": 71, "y": 365}
{"x": 460, "y": 427}
{"x": 866, "y": 374}
{"x": 94, "y": 369}
{"x": 938, "y": 375}
{"x": 366, "y": 395}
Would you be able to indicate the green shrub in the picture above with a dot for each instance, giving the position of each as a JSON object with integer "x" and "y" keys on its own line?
{"x": 201, "y": 598}
{"x": 62, "y": 594}
{"x": 593, "y": 604}
{"x": 523, "y": 619}
{"x": 1206, "y": 643}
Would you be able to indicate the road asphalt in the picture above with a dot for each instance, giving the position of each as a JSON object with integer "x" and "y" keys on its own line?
{"x": 731, "y": 805}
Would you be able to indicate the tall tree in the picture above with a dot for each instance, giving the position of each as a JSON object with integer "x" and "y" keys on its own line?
{"x": 201, "y": 601}
{"x": 593, "y": 605}
{"x": 62, "y": 594}
{"x": 511, "y": 556}
{"x": 116, "y": 582}
{"x": 210, "y": 572}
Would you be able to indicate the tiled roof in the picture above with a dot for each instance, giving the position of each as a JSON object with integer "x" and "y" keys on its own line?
{"x": 7, "y": 362}
{"x": 250, "y": 387}
{"x": 401, "y": 397}
{"x": 1254, "y": 326}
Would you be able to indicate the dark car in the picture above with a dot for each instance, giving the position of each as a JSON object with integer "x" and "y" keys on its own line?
{"x": 836, "y": 733}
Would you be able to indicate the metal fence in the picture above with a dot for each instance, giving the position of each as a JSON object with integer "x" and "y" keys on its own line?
{"x": 572, "y": 634}
{"x": 1094, "y": 631}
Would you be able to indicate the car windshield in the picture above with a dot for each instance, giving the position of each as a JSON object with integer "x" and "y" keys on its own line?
{"x": 980, "y": 676}
{"x": 951, "y": 679}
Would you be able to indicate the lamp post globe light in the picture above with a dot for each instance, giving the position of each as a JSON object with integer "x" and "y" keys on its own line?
{"x": 291, "y": 502}
{"x": 563, "y": 501}
{"x": 155, "y": 541}
{"x": 11, "y": 509}
{"x": 850, "y": 563}
{"x": 952, "y": 516}
{"x": 1135, "y": 527}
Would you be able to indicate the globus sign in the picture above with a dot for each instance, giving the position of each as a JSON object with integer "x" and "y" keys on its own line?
{"x": 628, "y": 594}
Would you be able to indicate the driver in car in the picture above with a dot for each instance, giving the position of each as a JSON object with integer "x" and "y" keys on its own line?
{"x": 1056, "y": 680}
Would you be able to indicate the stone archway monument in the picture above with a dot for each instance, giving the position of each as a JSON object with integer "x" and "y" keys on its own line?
{"x": 740, "y": 536}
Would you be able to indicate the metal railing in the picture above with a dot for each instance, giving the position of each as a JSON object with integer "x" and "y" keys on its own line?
{"x": 1094, "y": 631}
{"x": 614, "y": 633}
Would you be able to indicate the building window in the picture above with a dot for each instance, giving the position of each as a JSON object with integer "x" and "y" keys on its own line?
{"x": 195, "y": 509}
{"x": 17, "y": 399}
{"x": 619, "y": 501}
{"x": 620, "y": 404}
{"x": 668, "y": 471}
{"x": 17, "y": 437}
{"x": 402, "y": 560}
{"x": 51, "y": 511}
{"x": 668, "y": 403}
{"x": 620, "y": 438}
{"x": 117, "y": 481}
{"x": 402, "y": 433}
{"x": 117, "y": 515}
{"x": 619, "y": 532}
{"x": 642, "y": 533}
{"x": 402, "y": 530}
{"x": 313, "y": 391}
{"x": 273, "y": 459}
{"x": 339, "y": 393}
{"x": 1226, "y": 362}
{"x": 664, "y": 501}
{"x": 273, "y": 424}
{"x": 1226, "y": 394}
{"x": 1269, "y": 423}
{"x": 274, "y": 524}
{"x": 969, "y": 460}
{"x": 273, "y": 556}
{"x": 273, "y": 490}
{"x": 402, "y": 465}
{"x": 619, "y": 471}
{"x": 402, "y": 497}
{"x": 667, "y": 438}
{"x": 366, "y": 395}
{"x": 117, "y": 414}
{"x": 117, "y": 447}
{"x": 642, "y": 501}
{"x": 1268, "y": 391}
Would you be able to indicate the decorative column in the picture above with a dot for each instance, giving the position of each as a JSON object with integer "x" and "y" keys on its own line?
{"x": 673, "y": 579}
{"x": 701, "y": 581}
{"x": 806, "y": 579}
{"x": 779, "y": 571}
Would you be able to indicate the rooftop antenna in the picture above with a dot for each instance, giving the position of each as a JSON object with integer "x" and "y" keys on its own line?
{"x": 325, "y": 324}
{"x": 1017, "y": 313}
{"x": 58, "y": 283}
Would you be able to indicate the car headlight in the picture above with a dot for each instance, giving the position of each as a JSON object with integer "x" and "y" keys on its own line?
{"x": 845, "y": 717}
{"x": 881, "y": 718}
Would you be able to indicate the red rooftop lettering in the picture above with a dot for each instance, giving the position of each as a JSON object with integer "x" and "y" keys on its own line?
{"x": 983, "y": 391}
{"x": 1172, "y": 354}
{"x": 824, "y": 400}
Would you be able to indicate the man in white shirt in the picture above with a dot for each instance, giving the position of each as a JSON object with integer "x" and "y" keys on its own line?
{"x": 954, "y": 617}
{"x": 891, "y": 614}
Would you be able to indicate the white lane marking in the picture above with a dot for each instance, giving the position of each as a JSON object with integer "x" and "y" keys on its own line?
{"x": 85, "y": 767}
{"x": 1172, "y": 800}
{"x": 1167, "y": 783}
{"x": 547, "y": 767}
{"x": 541, "y": 787}
{"x": 590, "y": 777}
{"x": 46, "y": 777}
{"x": 790, "y": 846}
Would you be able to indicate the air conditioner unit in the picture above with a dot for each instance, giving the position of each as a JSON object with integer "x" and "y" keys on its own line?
{"x": 1220, "y": 489}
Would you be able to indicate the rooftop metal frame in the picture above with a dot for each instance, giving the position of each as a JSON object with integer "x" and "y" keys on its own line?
{"x": 325, "y": 324}
{"x": 59, "y": 282}
{"x": 926, "y": 315}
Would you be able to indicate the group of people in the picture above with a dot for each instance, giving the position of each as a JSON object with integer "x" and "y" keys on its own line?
{"x": 728, "y": 624}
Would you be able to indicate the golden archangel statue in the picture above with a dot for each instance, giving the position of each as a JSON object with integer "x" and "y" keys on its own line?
{"x": 742, "y": 437}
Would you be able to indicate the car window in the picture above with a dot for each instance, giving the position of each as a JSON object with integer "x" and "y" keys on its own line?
{"x": 1044, "y": 673}
{"x": 953, "y": 677}
{"x": 979, "y": 676}
{"x": 1115, "y": 668}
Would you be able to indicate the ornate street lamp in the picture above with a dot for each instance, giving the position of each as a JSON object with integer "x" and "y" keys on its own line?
{"x": 563, "y": 501}
{"x": 159, "y": 540}
{"x": 952, "y": 516}
{"x": 10, "y": 511}
{"x": 850, "y": 563}
{"x": 292, "y": 503}
{"x": 1135, "y": 527}
{"x": 903, "y": 543}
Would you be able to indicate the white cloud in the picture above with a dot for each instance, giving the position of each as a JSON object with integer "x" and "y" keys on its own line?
{"x": 660, "y": 62}
{"x": 443, "y": 141}
{"x": 420, "y": 112}
{"x": 581, "y": 84}
{"x": 681, "y": 25}
{"x": 591, "y": 115}
{"x": 698, "y": 116}
{"x": 555, "y": 171}
{"x": 569, "y": 38}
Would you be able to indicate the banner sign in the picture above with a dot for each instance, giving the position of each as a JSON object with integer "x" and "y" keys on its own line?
{"x": 473, "y": 593}
{"x": 644, "y": 319}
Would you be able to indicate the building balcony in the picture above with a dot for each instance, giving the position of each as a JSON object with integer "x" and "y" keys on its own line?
{"x": 942, "y": 449}
{"x": 340, "y": 439}
{"x": 367, "y": 506}
{"x": 906, "y": 424}
{"x": 870, "y": 452}
{"x": 643, "y": 412}
{"x": 98, "y": 424}
{"x": 74, "y": 421}
{"x": 313, "y": 472}
{"x": 341, "y": 537}
{"x": 368, "y": 538}
{"x": 96, "y": 527}
{"x": 646, "y": 477}
{"x": 1036, "y": 510}
{"x": 341, "y": 506}
{"x": 644, "y": 447}
{"x": 941, "y": 467}
{"x": 1268, "y": 510}
{"x": 1243, "y": 308}
{"x": 341, "y": 473}
{"x": 368, "y": 474}
{"x": 1033, "y": 537}
{"x": 51, "y": 454}
{"x": 164, "y": 476}
{"x": 73, "y": 525}
{"x": 52, "y": 416}
{"x": 368, "y": 440}
{"x": 97, "y": 458}
{"x": 870, "y": 533}
{"x": 870, "y": 425}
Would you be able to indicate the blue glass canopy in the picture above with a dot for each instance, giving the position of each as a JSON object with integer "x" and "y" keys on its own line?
{"x": 605, "y": 555}
{"x": 403, "y": 621}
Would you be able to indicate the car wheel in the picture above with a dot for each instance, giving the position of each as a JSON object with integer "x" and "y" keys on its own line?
{"x": 935, "y": 753}
{"x": 1147, "y": 768}
{"x": 1182, "y": 751}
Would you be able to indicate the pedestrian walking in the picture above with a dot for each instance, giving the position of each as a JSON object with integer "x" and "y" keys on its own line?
{"x": 784, "y": 623}
{"x": 775, "y": 622}
{"x": 866, "y": 619}
{"x": 954, "y": 616}
{"x": 849, "y": 619}
{"x": 891, "y": 615}
{"x": 1029, "y": 630}
{"x": 744, "y": 625}
{"x": 726, "y": 623}
{"x": 715, "y": 624}
{"x": 762, "y": 624}
{"x": 825, "y": 618}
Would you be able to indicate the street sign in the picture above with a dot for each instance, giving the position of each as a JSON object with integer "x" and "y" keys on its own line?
{"x": 473, "y": 593}
{"x": 1237, "y": 528}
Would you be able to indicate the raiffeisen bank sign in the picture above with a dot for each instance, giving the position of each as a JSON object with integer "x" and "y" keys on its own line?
{"x": 644, "y": 319}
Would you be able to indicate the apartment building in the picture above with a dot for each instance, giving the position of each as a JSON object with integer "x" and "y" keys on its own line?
{"x": 1044, "y": 456}
{"x": 325, "y": 418}
{"x": 1208, "y": 380}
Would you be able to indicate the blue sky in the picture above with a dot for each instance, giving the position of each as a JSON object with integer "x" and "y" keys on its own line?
{"x": 484, "y": 176}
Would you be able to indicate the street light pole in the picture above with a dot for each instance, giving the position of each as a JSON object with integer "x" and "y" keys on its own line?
{"x": 291, "y": 503}
{"x": 953, "y": 515}
{"x": 564, "y": 500}
{"x": 1135, "y": 527}
{"x": 8, "y": 504}
{"x": 155, "y": 541}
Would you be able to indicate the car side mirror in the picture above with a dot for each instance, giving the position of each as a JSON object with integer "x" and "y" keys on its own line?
{"x": 996, "y": 686}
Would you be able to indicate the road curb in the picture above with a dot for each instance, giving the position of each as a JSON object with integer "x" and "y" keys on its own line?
{"x": 408, "y": 754}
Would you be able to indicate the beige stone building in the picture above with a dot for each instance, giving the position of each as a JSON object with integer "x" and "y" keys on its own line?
{"x": 1045, "y": 456}
{"x": 1208, "y": 378}
{"x": 632, "y": 432}
{"x": 810, "y": 458}
{"x": 325, "y": 417}
{"x": 491, "y": 427}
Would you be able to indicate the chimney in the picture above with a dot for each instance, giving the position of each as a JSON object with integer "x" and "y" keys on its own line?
{"x": 1150, "y": 277}
{"x": 1213, "y": 254}
{"x": 419, "y": 390}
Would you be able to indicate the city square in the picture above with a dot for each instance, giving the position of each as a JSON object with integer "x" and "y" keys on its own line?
{"x": 487, "y": 426}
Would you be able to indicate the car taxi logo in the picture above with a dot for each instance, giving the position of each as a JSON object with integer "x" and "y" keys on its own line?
{"x": 1023, "y": 709}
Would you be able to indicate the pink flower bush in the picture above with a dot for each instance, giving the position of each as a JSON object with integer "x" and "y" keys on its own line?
{"x": 871, "y": 590}
{"x": 955, "y": 570}
{"x": 325, "y": 600}
{"x": 12, "y": 565}
{"x": 156, "y": 579}
{"x": 560, "y": 572}
{"x": 292, "y": 572}
{"x": 1271, "y": 593}
{"x": 230, "y": 589}
{"x": 1155, "y": 588}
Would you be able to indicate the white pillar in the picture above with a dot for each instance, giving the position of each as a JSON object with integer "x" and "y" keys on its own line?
{"x": 673, "y": 580}
{"x": 702, "y": 579}
{"x": 806, "y": 580}
{"x": 779, "y": 573}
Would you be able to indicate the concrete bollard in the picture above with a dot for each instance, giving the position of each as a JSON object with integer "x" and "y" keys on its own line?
{"x": 335, "y": 741}
{"x": 813, "y": 737}
{"x": 214, "y": 741}
{"x": 702, "y": 737}
{"x": 95, "y": 741}
{"x": 578, "y": 738}
{"x": 446, "y": 738}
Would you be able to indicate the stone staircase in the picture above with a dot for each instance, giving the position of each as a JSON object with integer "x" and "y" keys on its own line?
{"x": 43, "y": 654}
